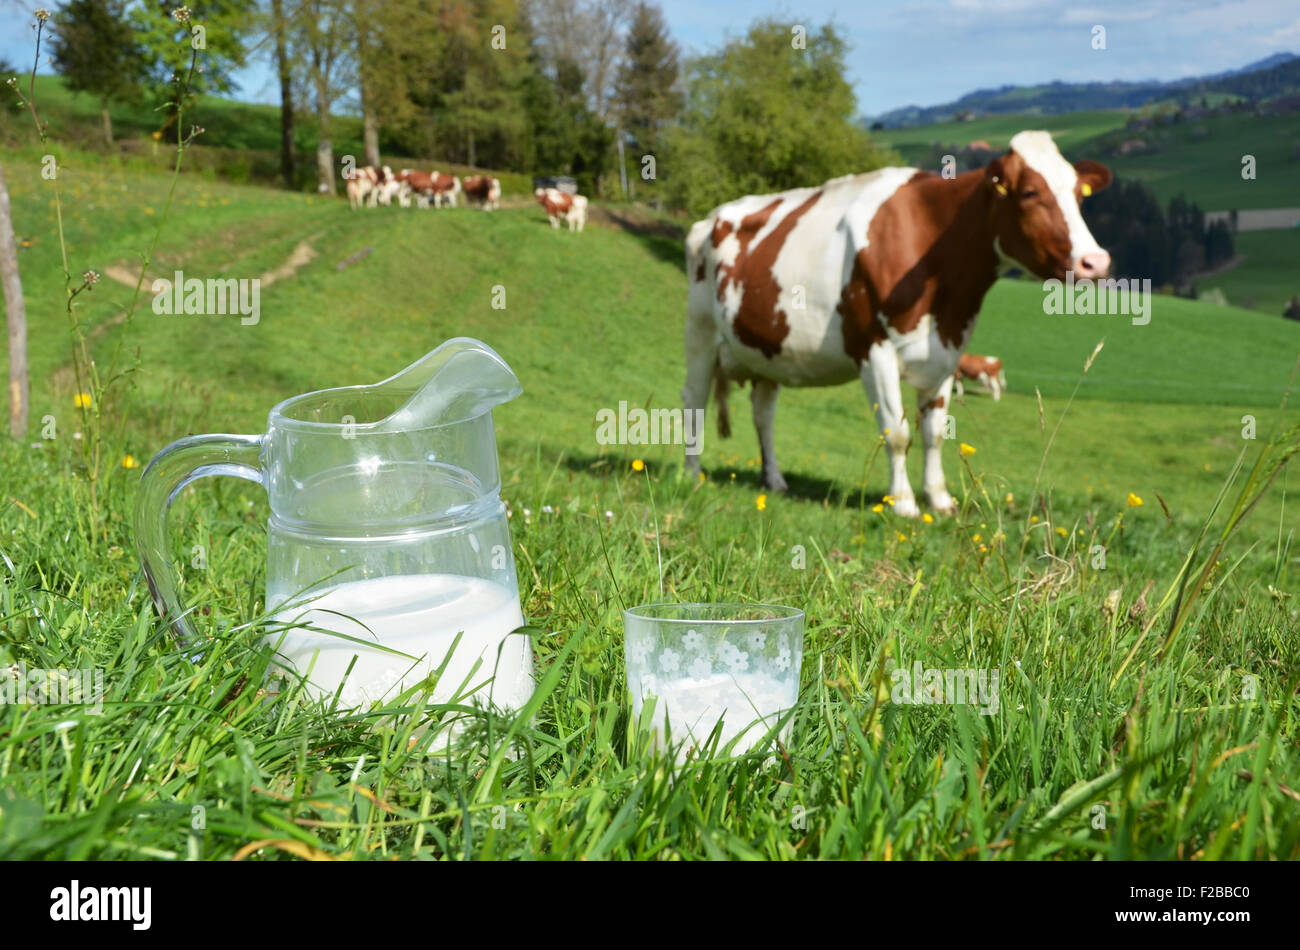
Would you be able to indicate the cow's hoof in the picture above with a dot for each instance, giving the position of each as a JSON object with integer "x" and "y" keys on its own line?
{"x": 943, "y": 503}
{"x": 906, "y": 507}
{"x": 775, "y": 482}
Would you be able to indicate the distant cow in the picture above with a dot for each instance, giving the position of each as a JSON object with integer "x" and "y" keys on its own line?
{"x": 483, "y": 191}
{"x": 446, "y": 189}
{"x": 986, "y": 370}
{"x": 371, "y": 185}
{"x": 572, "y": 208}
{"x": 417, "y": 184}
{"x": 876, "y": 277}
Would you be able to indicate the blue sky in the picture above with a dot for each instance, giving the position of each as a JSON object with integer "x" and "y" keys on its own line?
{"x": 929, "y": 51}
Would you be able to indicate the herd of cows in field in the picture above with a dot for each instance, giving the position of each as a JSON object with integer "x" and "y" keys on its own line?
{"x": 373, "y": 185}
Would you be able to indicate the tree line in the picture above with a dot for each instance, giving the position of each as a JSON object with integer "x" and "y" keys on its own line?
{"x": 594, "y": 89}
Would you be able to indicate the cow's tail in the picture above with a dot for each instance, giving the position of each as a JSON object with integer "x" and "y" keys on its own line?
{"x": 721, "y": 390}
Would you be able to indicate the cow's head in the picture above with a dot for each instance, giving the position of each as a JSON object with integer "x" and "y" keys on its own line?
{"x": 1036, "y": 218}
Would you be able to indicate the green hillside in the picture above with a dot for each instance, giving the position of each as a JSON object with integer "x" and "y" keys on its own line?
{"x": 327, "y": 327}
{"x": 240, "y": 142}
{"x": 1269, "y": 275}
{"x": 1069, "y": 131}
{"x": 1107, "y": 701}
{"x": 1202, "y": 159}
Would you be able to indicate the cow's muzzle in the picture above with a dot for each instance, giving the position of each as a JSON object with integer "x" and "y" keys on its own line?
{"x": 1093, "y": 266}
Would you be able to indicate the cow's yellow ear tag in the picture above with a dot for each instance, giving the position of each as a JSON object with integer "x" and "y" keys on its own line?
{"x": 1086, "y": 189}
{"x": 1002, "y": 189}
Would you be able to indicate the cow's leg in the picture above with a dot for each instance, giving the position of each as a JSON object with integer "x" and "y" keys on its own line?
{"x": 933, "y": 407}
{"x": 763, "y": 396}
{"x": 881, "y": 379}
{"x": 701, "y": 363}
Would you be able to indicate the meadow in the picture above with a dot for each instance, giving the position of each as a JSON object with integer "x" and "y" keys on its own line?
{"x": 1199, "y": 158}
{"x": 1137, "y": 718}
{"x": 1069, "y": 130}
{"x": 1202, "y": 159}
{"x": 1268, "y": 276}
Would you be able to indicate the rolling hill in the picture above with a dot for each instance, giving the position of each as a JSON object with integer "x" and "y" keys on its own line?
{"x": 1092, "y": 713}
{"x": 601, "y": 316}
{"x": 1275, "y": 75}
{"x": 1200, "y": 158}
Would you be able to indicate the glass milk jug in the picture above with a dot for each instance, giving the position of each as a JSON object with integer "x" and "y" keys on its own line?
{"x": 387, "y": 539}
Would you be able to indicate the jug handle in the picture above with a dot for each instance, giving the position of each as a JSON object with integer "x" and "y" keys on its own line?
{"x": 180, "y": 463}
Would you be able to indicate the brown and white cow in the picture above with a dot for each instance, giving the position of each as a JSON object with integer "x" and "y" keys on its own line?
{"x": 484, "y": 191}
{"x": 985, "y": 370}
{"x": 876, "y": 277}
{"x": 446, "y": 189}
{"x": 427, "y": 186}
{"x": 562, "y": 205}
{"x": 371, "y": 185}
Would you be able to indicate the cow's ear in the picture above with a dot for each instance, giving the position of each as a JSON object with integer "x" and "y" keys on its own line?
{"x": 996, "y": 176}
{"x": 1093, "y": 176}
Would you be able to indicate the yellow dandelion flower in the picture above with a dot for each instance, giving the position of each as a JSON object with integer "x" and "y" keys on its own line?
{"x": 889, "y": 500}
{"x": 760, "y": 502}
{"x": 977, "y": 538}
{"x": 1134, "y": 501}
{"x": 885, "y": 431}
{"x": 1010, "y": 498}
{"x": 1062, "y": 531}
{"x": 927, "y": 518}
{"x": 82, "y": 400}
{"x": 1033, "y": 519}
{"x": 984, "y": 549}
{"x": 128, "y": 461}
{"x": 900, "y": 536}
{"x": 967, "y": 450}
{"x": 877, "y": 509}
{"x": 638, "y": 465}
{"x": 702, "y": 476}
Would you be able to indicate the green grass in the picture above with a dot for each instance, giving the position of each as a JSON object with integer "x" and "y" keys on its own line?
{"x": 1069, "y": 130}
{"x": 1268, "y": 277}
{"x": 1180, "y": 760}
{"x": 1202, "y": 159}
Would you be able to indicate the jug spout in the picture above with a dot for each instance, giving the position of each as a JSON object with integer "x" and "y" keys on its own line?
{"x": 459, "y": 380}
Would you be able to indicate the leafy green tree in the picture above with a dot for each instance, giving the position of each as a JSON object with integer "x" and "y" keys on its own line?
{"x": 763, "y": 115}
{"x": 95, "y": 50}
{"x": 169, "y": 40}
